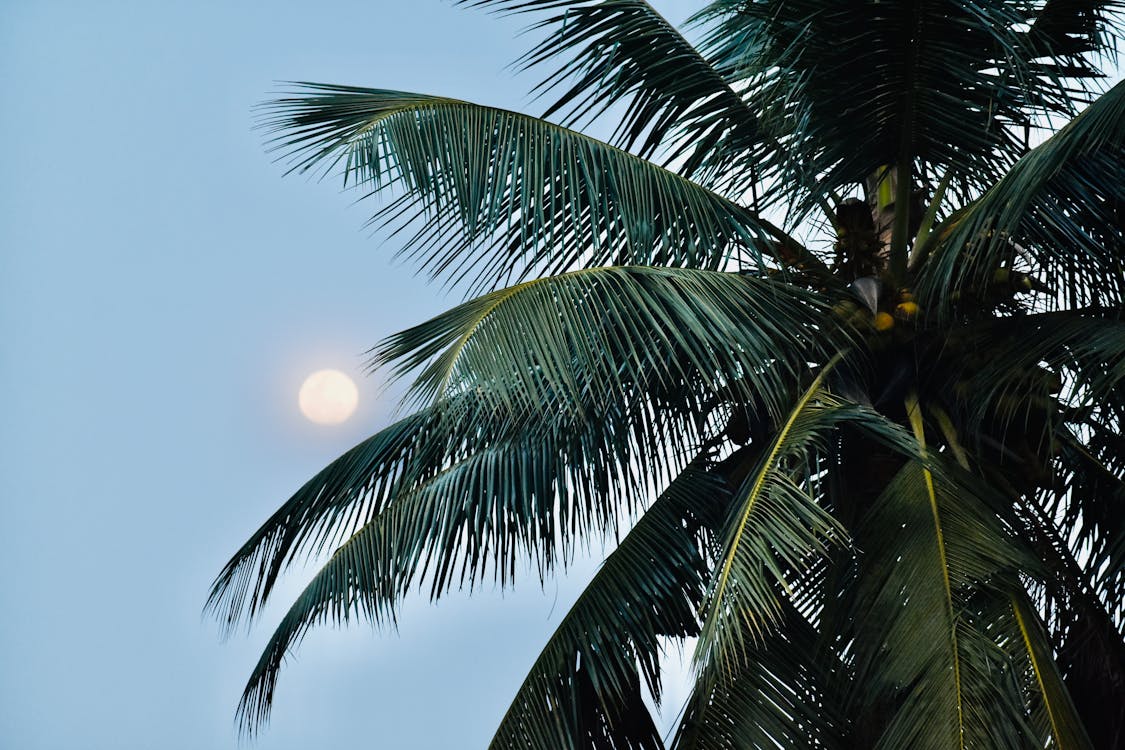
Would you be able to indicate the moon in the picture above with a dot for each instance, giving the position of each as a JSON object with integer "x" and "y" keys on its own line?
{"x": 328, "y": 397}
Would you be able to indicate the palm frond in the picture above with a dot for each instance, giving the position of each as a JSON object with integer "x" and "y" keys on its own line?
{"x": 940, "y": 549}
{"x": 1081, "y": 522}
{"x": 932, "y": 87}
{"x": 1029, "y": 357}
{"x": 614, "y": 356}
{"x": 365, "y": 577}
{"x": 780, "y": 682}
{"x": 600, "y": 336}
{"x": 648, "y": 588}
{"x": 350, "y": 489}
{"x": 491, "y": 195}
{"x": 470, "y": 497}
{"x": 1068, "y": 31}
{"x": 538, "y": 482}
{"x": 778, "y": 530}
{"x": 775, "y": 698}
{"x": 488, "y": 510}
{"x": 1059, "y": 208}
{"x": 1065, "y": 726}
{"x": 1083, "y": 608}
{"x": 624, "y": 53}
{"x": 1091, "y": 519}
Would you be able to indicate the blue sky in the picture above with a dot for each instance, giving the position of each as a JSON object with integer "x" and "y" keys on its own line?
{"x": 163, "y": 292}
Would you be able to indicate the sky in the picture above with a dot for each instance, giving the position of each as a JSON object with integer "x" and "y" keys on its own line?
{"x": 163, "y": 293}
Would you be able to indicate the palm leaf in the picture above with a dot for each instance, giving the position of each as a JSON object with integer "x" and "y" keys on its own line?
{"x": 938, "y": 82}
{"x": 1069, "y": 30}
{"x": 491, "y": 508}
{"x": 487, "y": 502}
{"x": 1091, "y": 518}
{"x": 1060, "y": 207}
{"x": 774, "y": 683}
{"x": 624, "y": 53}
{"x": 493, "y": 195}
{"x": 1084, "y": 614}
{"x": 515, "y": 461}
{"x": 1066, "y": 727}
{"x": 544, "y": 479}
{"x": 774, "y": 698}
{"x": 1031, "y": 356}
{"x": 646, "y": 589}
{"x": 636, "y": 347}
{"x": 367, "y": 574}
{"x": 777, "y": 531}
{"x": 602, "y": 336}
{"x": 352, "y": 487}
{"x": 1082, "y": 522}
{"x": 942, "y": 556}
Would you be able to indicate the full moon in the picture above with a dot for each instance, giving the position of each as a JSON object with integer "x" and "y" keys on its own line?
{"x": 328, "y": 397}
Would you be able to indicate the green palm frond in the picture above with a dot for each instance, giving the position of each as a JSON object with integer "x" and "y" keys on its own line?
{"x": 615, "y": 343}
{"x": 648, "y": 588}
{"x": 992, "y": 684}
{"x": 1060, "y": 209}
{"x": 1067, "y": 32}
{"x": 777, "y": 683}
{"x": 340, "y": 495}
{"x": 492, "y": 195}
{"x": 775, "y": 522}
{"x": 1082, "y": 600}
{"x": 1082, "y": 524}
{"x": 1018, "y": 363}
{"x": 941, "y": 549}
{"x": 591, "y": 338}
{"x": 1092, "y": 521}
{"x": 1055, "y": 711}
{"x": 365, "y": 577}
{"x": 623, "y": 52}
{"x": 779, "y": 528}
{"x": 543, "y": 480}
{"x": 774, "y": 698}
{"x": 853, "y": 86}
{"x": 488, "y": 510}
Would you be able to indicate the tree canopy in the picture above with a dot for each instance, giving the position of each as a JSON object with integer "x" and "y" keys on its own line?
{"x": 829, "y": 334}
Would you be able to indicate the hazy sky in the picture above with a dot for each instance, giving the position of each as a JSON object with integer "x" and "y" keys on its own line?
{"x": 163, "y": 292}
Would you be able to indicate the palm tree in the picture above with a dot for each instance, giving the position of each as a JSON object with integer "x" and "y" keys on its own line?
{"x": 817, "y": 336}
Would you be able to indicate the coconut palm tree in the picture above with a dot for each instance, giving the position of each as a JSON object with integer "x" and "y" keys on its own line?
{"x": 833, "y": 354}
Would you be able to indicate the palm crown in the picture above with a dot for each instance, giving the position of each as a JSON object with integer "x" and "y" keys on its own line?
{"x": 868, "y": 452}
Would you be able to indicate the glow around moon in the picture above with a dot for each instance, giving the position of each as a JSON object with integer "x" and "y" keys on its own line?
{"x": 328, "y": 397}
